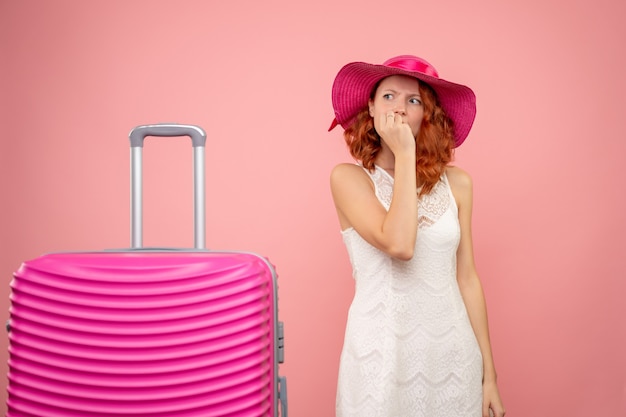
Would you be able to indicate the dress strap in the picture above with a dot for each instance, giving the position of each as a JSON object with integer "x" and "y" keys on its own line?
{"x": 444, "y": 179}
{"x": 383, "y": 185}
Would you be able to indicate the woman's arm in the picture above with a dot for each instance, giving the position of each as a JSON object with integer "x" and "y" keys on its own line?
{"x": 472, "y": 291}
{"x": 394, "y": 231}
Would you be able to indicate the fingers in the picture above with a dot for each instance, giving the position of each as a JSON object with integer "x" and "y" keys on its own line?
{"x": 388, "y": 120}
{"x": 491, "y": 412}
{"x": 394, "y": 132}
{"x": 391, "y": 119}
{"x": 391, "y": 123}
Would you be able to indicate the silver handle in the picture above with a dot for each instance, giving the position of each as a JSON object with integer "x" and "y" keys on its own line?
{"x": 138, "y": 134}
{"x": 198, "y": 139}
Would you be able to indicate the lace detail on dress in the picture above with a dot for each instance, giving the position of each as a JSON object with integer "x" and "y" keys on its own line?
{"x": 430, "y": 206}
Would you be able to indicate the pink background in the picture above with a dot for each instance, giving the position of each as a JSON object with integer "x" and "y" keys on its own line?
{"x": 546, "y": 154}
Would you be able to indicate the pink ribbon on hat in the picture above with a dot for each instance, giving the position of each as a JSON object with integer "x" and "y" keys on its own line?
{"x": 411, "y": 63}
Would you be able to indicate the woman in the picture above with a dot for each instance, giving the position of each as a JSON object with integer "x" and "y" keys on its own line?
{"x": 417, "y": 338}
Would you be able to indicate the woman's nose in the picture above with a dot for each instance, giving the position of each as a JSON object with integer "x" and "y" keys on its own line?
{"x": 399, "y": 109}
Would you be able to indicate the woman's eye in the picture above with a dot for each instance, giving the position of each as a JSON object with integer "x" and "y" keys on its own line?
{"x": 415, "y": 100}
{"x": 387, "y": 96}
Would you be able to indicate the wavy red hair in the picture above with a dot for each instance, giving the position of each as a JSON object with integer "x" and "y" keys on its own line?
{"x": 435, "y": 140}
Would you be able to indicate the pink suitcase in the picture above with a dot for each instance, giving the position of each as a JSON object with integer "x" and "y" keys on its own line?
{"x": 147, "y": 332}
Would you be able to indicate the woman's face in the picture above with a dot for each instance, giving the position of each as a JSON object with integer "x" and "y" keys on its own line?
{"x": 401, "y": 95}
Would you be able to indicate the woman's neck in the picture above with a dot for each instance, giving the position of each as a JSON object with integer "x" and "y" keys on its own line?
{"x": 385, "y": 159}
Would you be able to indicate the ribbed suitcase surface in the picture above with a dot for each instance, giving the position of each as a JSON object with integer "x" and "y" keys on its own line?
{"x": 143, "y": 334}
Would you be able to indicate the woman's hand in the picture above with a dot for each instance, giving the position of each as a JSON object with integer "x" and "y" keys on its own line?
{"x": 492, "y": 403}
{"x": 396, "y": 134}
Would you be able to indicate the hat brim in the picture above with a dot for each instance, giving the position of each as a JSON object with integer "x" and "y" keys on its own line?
{"x": 354, "y": 83}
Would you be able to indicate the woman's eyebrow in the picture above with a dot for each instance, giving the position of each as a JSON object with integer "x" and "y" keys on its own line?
{"x": 391, "y": 90}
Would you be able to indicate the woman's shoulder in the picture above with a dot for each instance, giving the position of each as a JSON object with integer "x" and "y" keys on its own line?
{"x": 347, "y": 170}
{"x": 458, "y": 177}
{"x": 460, "y": 183}
{"x": 346, "y": 166}
{"x": 347, "y": 173}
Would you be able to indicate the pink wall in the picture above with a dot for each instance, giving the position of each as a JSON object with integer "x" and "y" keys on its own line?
{"x": 546, "y": 155}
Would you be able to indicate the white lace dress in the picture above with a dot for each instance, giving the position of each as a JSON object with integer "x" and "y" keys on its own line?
{"x": 409, "y": 348}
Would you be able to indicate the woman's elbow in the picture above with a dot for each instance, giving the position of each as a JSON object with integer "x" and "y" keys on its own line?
{"x": 401, "y": 248}
{"x": 402, "y": 253}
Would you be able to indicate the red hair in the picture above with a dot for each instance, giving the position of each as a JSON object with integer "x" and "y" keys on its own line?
{"x": 435, "y": 140}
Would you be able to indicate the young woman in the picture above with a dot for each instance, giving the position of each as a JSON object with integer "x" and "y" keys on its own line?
{"x": 417, "y": 338}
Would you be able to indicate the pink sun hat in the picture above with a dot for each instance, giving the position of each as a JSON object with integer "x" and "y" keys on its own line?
{"x": 355, "y": 81}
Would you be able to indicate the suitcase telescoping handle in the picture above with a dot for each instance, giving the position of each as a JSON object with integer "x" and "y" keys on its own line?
{"x": 198, "y": 139}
